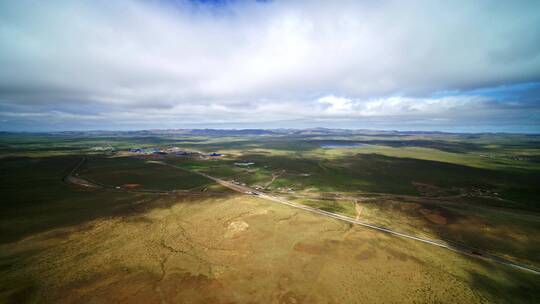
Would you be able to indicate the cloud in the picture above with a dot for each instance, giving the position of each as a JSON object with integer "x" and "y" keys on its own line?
{"x": 336, "y": 105}
{"x": 187, "y": 62}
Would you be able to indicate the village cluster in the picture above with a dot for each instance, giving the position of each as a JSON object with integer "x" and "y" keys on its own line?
{"x": 174, "y": 151}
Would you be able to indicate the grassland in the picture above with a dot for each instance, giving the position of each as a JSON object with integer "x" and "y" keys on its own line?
{"x": 205, "y": 244}
{"x": 139, "y": 173}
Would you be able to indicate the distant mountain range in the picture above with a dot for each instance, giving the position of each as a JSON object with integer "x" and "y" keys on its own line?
{"x": 239, "y": 132}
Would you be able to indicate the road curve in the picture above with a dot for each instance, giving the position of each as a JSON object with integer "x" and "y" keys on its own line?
{"x": 73, "y": 177}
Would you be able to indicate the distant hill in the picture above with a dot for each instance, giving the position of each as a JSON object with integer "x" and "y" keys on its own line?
{"x": 235, "y": 132}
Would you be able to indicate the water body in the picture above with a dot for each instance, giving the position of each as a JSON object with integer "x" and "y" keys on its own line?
{"x": 343, "y": 145}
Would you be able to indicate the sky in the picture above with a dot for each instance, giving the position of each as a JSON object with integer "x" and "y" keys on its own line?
{"x": 458, "y": 66}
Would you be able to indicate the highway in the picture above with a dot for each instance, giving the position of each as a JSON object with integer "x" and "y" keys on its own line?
{"x": 72, "y": 177}
{"x": 452, "y": 246}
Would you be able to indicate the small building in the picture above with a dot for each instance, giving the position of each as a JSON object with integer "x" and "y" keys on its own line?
{"x": 214, "y": 154}
{"x": 244, "y": 164}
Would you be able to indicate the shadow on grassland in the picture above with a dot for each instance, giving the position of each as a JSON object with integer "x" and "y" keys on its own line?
{"x": 501, "y": 284}
{"x": 34, "y": 198}
{"x": 394, "y": 175}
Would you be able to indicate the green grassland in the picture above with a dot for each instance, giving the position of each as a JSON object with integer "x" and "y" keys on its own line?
{"x": 485, "y": 190}
{"x": 378, "y": 173}
{"x": 481, "y": 190}
{"x": 35, "y": 199}
{"x": 144, "y": 174}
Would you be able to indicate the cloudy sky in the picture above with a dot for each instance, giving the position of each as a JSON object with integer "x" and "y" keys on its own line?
{"x": 468, "y": 66}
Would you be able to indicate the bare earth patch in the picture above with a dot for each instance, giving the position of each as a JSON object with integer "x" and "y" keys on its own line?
{"x": 236, "y": 227}
{"x": 131, "y": 186}
{"x": 433, "y": 216}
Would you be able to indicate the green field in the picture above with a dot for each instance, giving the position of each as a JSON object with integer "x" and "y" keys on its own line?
{"x": 143, "y": 174}
{"x": 480, "y": 190}
{"x": 35, "y": 199}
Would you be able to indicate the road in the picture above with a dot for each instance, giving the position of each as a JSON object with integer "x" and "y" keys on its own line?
{"x": 72, "y": 177}
{"x": 452, "y": 246}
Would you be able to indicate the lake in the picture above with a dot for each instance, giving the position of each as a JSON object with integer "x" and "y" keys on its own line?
{"x": 343, "y": 145}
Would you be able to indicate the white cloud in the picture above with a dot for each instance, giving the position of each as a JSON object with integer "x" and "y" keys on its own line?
{"x": 401, "y": 106}
{"x": 336, "y": 105}
{"x": 271, "y": 59}
{"x": 324, "y": 107}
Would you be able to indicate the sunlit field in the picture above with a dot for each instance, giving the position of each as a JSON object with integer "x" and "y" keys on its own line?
{"x": 86, "y": 219}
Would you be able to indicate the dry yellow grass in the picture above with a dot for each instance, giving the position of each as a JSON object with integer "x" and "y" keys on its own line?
{"x": 237, "y": 249}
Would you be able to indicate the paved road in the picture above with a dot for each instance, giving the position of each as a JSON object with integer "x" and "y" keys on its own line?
{"x": 250, "y": 191}
{"x": 439, "y": 243}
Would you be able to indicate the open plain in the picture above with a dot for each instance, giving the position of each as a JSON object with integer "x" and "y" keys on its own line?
{"x": 196, "y": 219}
